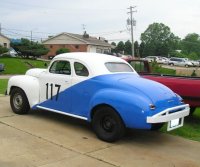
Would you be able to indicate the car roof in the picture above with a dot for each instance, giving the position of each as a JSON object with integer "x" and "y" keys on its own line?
{"x": 95, "y": 61}
{"x": 88, "y": 57}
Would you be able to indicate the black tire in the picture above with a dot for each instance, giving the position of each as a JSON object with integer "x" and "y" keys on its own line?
{"x": 171, "y": 64}
{"x": 19, "y": 102}
{"x": 156, "y": 127}
{"x": 107, "y": 124}
{"x": 192, "y": 110}
{"x": 186, "y": 66}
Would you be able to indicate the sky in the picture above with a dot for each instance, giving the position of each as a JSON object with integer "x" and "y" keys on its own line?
{"x": 102, "y": 18}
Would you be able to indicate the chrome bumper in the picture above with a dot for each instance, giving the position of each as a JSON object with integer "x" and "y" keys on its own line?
{"x": 166, "y": 116}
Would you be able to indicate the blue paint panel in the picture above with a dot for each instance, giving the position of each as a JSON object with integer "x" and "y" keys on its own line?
{"x": 129, "y": 94}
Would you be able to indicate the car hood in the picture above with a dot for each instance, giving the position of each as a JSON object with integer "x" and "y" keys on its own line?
{"x": 35, "y": 72}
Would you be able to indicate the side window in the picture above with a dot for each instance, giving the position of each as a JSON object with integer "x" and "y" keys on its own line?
{"x": 80, "y": 69}
{"x": 61, "y": 67}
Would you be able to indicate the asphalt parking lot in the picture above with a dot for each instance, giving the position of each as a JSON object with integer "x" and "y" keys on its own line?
{"x": 44, "y": 139}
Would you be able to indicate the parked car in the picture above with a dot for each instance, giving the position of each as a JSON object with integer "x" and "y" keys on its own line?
{"x": 187, "y": 87}
{"x": 126, "y": 57}
{"x": 2, "y": 67}
{"x": 174, "y": 61}
{"x": 165, "y": 60}
{"x": 152, "y": 58}
{"x": 101, "y": 89}
{"x": 11, "y": 52}
{"x": 195, "y": 63}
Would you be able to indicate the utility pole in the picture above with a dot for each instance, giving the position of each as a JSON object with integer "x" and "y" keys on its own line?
{"x": 132, "y": 23}
{"x": 83, "y": 27}
{"x": 31, "y": 36}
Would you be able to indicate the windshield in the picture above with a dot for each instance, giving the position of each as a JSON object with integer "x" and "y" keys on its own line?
{"x": 118, "y": 67}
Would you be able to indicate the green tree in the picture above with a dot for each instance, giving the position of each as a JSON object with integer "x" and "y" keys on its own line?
{"x": 62, "y": 50}
{"x": 128, "y": 47}
{"x": 141, "y": 49}
{"x": 113, "y": 49}
{"x": 29, "y": 48}
{"x": 120, "y": 47}
{"x": 159, "y": 40}
{"x": 114, "y": 44}
{"x": 136, "y": 49}
{"x": 3, "y": 49}
{"x": 191, "y": 44}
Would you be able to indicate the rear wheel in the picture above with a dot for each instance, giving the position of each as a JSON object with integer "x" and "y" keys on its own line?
{"x": 186, "y": 66}
{"x": 107, "y": 124}
{"x": 19, "y": 102}
{"x": 171, "y": 64}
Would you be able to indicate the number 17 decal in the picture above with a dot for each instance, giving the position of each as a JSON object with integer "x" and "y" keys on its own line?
{"x": 52, "y": 87}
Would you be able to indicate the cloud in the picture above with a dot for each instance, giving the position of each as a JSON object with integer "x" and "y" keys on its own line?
{"x": 182, "y": 16}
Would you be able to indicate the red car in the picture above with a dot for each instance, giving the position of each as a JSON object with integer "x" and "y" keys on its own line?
{"x": 187, "y": 87}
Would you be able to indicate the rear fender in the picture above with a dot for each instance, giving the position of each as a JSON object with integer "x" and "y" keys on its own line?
{"x": 131, "y": 107}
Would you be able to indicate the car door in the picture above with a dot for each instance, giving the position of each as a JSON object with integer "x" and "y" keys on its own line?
{"x": 54, "y": 87}
{"x": 81, "y": 89}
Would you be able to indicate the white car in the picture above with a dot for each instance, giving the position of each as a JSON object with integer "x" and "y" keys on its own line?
{"x": 152, "y": 58}
{"x": 195, "y": 63}
{"x": 101, "y": 89}
{"x": 165, "y": 60}
{"x": 175, "y": 61}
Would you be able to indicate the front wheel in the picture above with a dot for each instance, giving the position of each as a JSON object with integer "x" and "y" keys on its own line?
{"x": 107, "y": 124}
{"x": 19, "y": 102}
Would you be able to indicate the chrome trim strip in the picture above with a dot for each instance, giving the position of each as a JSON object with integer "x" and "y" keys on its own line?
{"x": 61, "y": 112}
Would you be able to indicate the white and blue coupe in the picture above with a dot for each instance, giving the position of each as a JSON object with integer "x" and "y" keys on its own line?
{"x": 101, "y": 89}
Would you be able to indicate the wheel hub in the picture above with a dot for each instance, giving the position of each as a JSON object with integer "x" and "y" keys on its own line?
{"x": 17, "y": 101}
{"x": 108, "y": 124}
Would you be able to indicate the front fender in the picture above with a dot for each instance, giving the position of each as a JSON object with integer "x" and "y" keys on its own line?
{"x": 29, "y": 84}
{"x": 132, "y": 107}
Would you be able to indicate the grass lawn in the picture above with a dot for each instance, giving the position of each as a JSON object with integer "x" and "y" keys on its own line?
{"x": 190, "y": 129}
{"x": 156, "y": 68}
{"x": 19, "y": 65}
{"x": 3, "y": 85}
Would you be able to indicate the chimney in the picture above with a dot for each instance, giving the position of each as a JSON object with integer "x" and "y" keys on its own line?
{"x": 85, "y": 35}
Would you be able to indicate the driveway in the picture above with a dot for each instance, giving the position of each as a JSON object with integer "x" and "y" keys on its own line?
{"x": 44, "y": 139}
{"x": 5, "y": 76}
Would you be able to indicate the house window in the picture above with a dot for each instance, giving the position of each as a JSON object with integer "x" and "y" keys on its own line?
{"x": 98, "y": 50}
{"x": 5, "y": 45}
{"x": 77, "y": 46}
{"x": 51, "y": 46}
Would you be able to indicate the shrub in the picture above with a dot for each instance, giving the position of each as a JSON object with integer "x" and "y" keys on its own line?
{"x": 62, "y": 50}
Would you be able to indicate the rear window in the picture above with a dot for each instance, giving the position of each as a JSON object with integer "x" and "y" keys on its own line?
{"x": 118, "y": 67}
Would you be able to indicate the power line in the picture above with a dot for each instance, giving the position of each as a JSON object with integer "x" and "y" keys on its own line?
{"x": 20, "y": 30}
{"x": 21, "y": 33}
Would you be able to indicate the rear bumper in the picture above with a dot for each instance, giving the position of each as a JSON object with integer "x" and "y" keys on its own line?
{"x": 166, "y": 116}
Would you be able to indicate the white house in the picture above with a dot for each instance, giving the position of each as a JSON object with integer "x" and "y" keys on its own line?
{"x": 4, "y": 41}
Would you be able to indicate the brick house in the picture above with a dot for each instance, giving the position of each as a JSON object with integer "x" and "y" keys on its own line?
{"x": 76, "y": 43}
{"x": 4, "y": 41}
